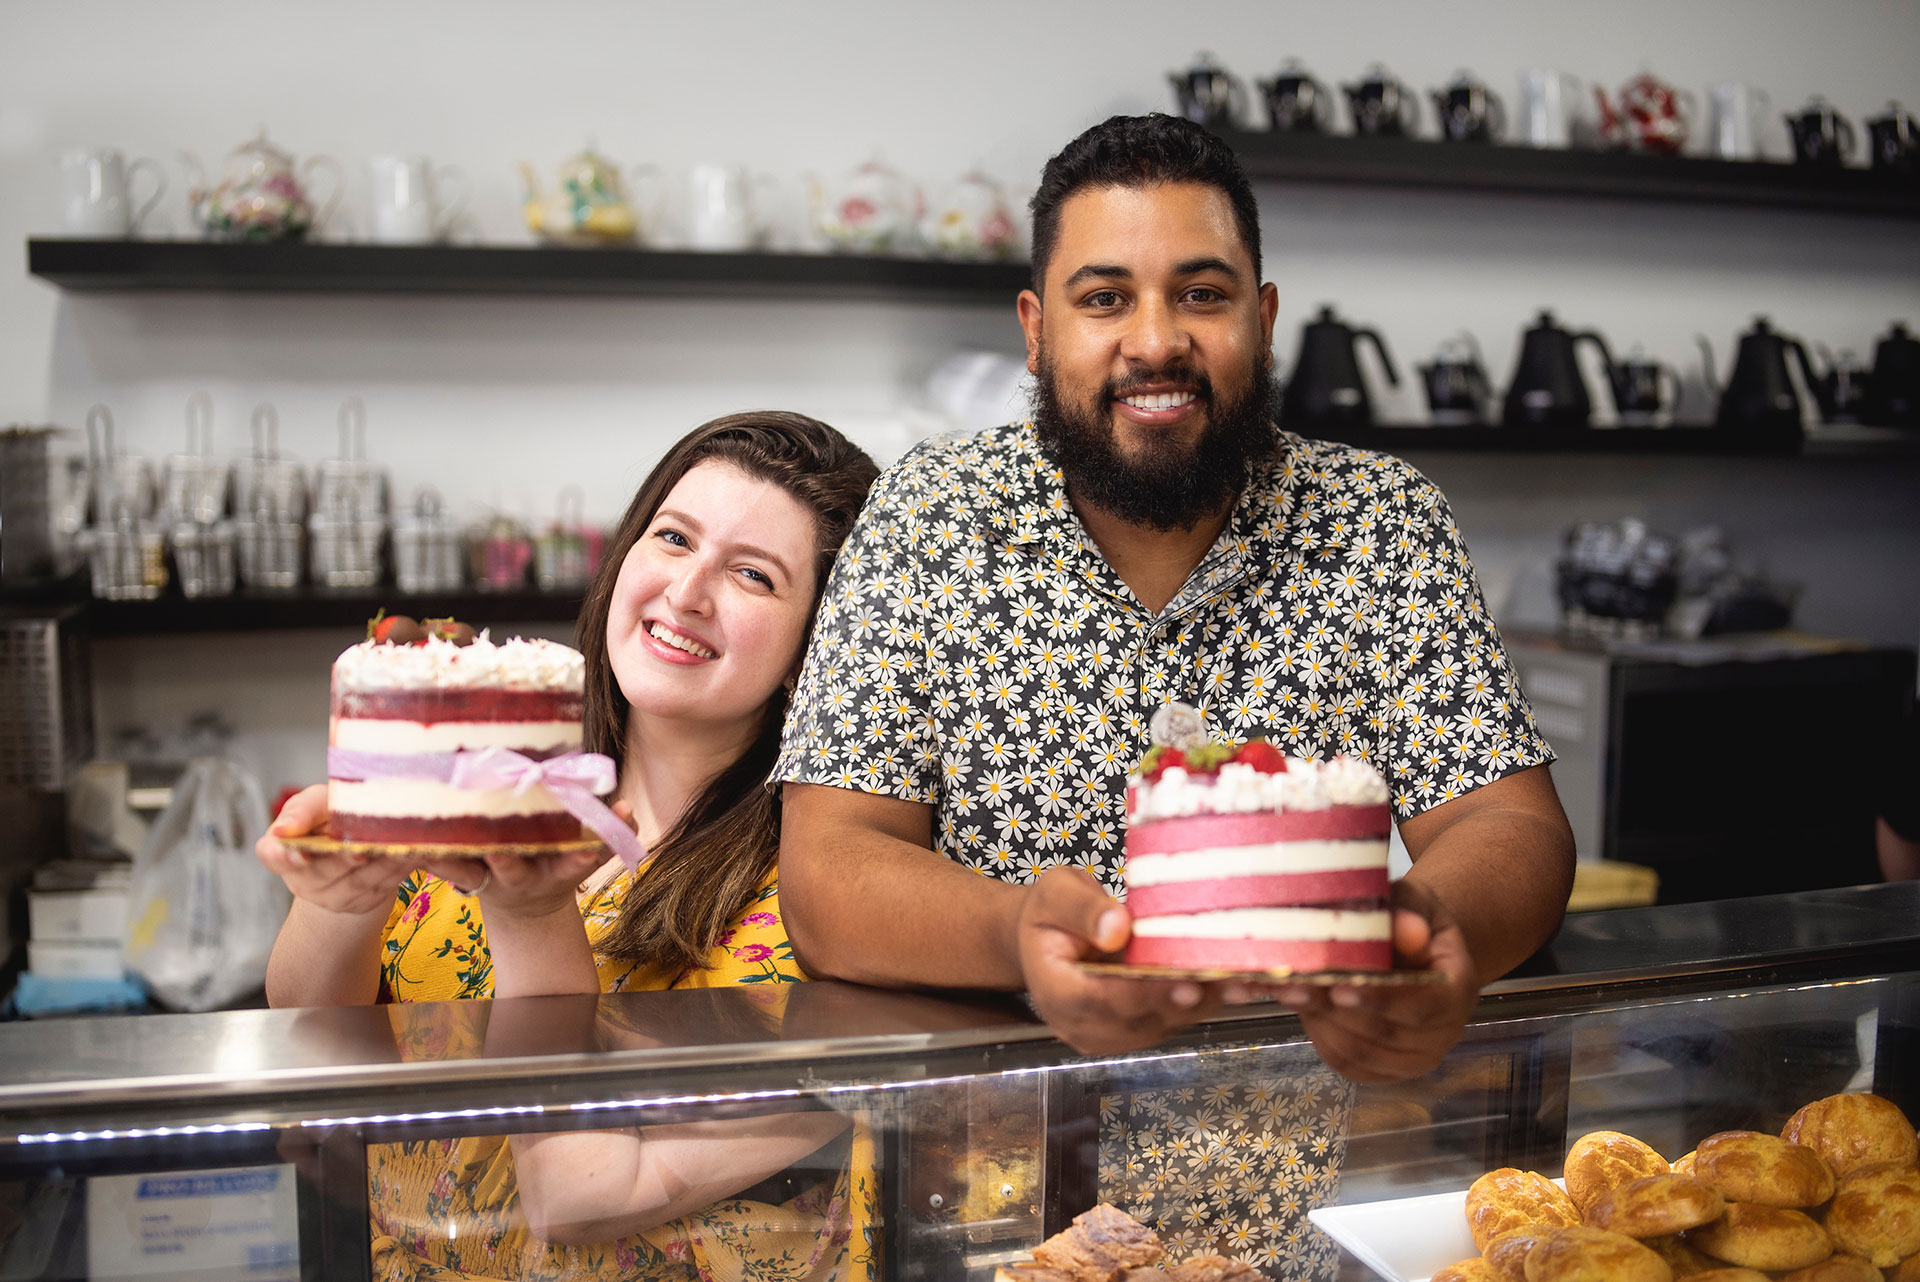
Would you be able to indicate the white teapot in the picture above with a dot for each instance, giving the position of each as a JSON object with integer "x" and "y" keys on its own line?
{"x": 971, "y": 220}
{"x": 259, "y": 196}
{"x": 870, "y": 211}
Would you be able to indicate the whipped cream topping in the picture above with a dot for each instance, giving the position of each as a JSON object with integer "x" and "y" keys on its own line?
{"x": 1240, "y": 789}
{"x": 520, "y": 663}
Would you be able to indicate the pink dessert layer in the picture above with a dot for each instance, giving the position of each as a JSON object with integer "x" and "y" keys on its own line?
{"x": 430, "y": 706}
{"x": 460, "y": 831}
{"x": 1297, "y": 955}
{"x": 1286, "y": 890}
{"x": 1259, "y": 828}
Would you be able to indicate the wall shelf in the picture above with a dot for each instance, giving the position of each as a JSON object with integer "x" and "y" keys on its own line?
{"x": 1680, "y": 439}
{"x": 346, "y": 609}
{"x": 1538, "y": 171}
{"x": 298, "y": 267}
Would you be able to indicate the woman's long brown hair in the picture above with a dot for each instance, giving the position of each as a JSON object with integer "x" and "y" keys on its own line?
{"x": 707, "y": 865}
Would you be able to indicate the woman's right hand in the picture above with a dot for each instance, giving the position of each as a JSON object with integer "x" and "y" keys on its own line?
{"x": 340, "y": 883}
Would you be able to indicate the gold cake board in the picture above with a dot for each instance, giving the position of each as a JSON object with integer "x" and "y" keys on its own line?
{"x": 1312, "y": 978}
{"x": 321, "y": 845}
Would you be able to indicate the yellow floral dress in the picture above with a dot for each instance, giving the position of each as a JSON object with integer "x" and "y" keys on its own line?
{"x": 436, "y": 950}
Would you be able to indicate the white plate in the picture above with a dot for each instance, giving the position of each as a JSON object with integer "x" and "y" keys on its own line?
{"x": 1404, "y": 1239}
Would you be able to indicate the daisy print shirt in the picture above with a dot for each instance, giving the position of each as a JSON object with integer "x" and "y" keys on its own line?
{"x": 976, "y": 653}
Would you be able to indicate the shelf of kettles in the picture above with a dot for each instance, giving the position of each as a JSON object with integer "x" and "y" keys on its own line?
{"x": 1543, "y": 171}
{"x": 77, "y": 264}
{"x": 347, "y": 609}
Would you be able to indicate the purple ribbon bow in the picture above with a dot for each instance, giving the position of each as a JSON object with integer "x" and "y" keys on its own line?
{"x": 575, "y": 779}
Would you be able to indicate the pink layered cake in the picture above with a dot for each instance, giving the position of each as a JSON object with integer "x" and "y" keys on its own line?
{"x": 1241, "y": 859}
{"x": 408, "y": 720}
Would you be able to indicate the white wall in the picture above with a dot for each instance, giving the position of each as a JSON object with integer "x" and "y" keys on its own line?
{"x": 507, "y": 400}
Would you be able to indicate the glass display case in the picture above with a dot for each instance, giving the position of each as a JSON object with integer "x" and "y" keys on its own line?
{"x": 905, "y": 1135}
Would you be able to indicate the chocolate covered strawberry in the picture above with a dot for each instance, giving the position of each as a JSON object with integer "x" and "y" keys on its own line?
{"x": 394, "y": 629}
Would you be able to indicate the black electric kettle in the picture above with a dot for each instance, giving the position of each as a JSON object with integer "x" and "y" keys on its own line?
{"x": 1760, "y": 394}
{"x": 1893, "y": 386}
{"x": 1547, "y": 389}
{"x": 1325, "y": 386}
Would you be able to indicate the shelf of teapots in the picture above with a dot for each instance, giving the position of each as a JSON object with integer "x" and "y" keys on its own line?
{"x": 1569, "y": 139}
{"x": 873, "y": 234}
{"x": 1548, "y": 406}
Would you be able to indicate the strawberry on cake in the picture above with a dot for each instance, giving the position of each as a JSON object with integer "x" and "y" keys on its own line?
{"x": 1239, "y": 858}
{"x": 438, "y": 737}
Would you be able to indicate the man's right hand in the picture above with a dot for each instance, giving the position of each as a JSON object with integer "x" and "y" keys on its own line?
{"x": 357, "y": 885}
{"x": 1067, "y": 918}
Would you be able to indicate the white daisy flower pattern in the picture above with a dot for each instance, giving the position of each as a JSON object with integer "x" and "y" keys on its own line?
{"x": 975, "y": 652}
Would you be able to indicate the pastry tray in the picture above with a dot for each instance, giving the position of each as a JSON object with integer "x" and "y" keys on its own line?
{"x": 1405, "y": 1239}
{"x": 1316, "y": 978}
{"x": 321, "y": 845}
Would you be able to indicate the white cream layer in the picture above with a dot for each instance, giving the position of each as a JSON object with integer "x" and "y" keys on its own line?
{"x": 448, "y": 736}
{"x": 1281, "y": 858}
{"x": 1268, "y": 923}
{"x": 430, "y": 799}
{"x": 519, "y": 663}
{"x": 1238, "y": 788}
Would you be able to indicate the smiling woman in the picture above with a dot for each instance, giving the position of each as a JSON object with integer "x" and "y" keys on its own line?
{"x": 694, "y": 637}
{"x": 688, "y": 639}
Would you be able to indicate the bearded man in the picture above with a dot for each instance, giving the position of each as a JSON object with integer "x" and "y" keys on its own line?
{"x": 1012, "y": 607}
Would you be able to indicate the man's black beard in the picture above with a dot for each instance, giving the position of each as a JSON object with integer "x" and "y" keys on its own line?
{"x": 1173, "y": 486}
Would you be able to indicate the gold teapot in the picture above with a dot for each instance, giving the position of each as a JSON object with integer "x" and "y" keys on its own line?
{"x": 587, "y": 206}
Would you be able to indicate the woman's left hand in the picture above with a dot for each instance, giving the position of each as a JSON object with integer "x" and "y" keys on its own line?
{"x": 521, "y": 885}
{"x": 525, "y": 885}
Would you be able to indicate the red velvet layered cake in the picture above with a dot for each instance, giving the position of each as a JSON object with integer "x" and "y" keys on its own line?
{"x": 1241, "y": 859}
{"x": 440, "y": 740}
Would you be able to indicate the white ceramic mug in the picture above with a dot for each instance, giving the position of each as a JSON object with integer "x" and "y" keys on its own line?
{"x": 96, "y": 192}
{"x": 408, "y": 202}
{"x": 1734, "y": 113}
{"x": 719, "y": 209}
{"x": 1550, "y": 105}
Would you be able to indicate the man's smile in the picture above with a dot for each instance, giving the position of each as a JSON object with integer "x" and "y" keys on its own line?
{"x": 1158, "y": 405}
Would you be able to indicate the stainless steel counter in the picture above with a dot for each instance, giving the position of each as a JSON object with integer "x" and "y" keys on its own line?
{"x": 264, "y": 1067}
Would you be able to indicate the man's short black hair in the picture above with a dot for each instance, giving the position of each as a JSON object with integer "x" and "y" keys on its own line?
{"x": 1139, "y": 151}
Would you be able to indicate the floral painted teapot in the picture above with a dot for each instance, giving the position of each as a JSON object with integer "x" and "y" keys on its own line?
{"x": 1648, "y": 115}
{"x": 587, "y": 206}
{"x": 870, "y": 211}
{"x": 259, "y": 196}
{"x": 971, "y": 220}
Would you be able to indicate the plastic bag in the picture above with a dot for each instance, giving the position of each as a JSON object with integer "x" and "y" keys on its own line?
{"x": 204, "y": 912}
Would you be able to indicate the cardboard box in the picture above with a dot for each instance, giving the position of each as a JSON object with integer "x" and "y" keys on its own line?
{"x": 75, "y": 958}
{"x": 100, "y": 913}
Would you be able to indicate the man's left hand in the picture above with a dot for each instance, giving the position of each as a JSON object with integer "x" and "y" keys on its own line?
{"x": 1387, "y": 1033}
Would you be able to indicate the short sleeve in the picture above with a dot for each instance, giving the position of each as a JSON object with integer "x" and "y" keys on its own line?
{"x": 1454, "y": 718}
{"x": 860, "y": 716}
